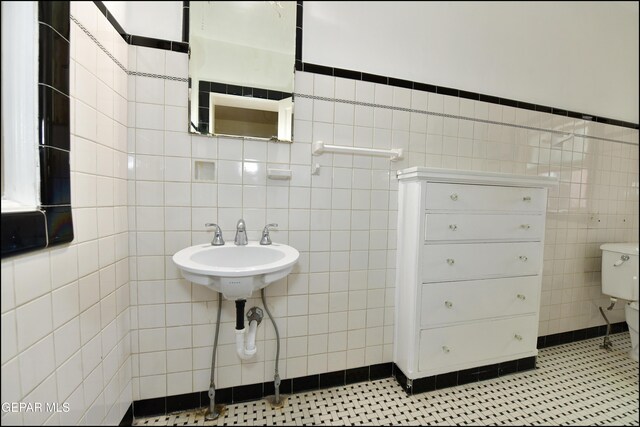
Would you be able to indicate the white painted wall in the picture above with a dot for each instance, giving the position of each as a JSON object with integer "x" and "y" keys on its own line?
{"x": 580, "y": 56}
{"x": 157, "y": 19}
{"x": 119, "y": 11}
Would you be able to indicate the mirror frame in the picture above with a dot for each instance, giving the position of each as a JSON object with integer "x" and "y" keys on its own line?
{"x": 205, "y": 88}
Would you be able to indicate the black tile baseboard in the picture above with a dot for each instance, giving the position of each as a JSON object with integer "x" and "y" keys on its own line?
{"x": 164, "y": 405}
{"x": 245, "y": 393}
{"x": 465, "y": 376}
{"x": 495, "y": 370}
{"x": 127, "y": 419}
{"x": 580, "y": 334}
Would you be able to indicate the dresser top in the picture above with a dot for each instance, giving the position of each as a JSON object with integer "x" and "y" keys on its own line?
{"x": 419, "y": 173}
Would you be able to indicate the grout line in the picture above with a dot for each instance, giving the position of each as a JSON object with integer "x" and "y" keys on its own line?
{"x": 118, "y": 63}
{"x": 453, "y": 116}
{"x": 56, "y": 31}
{"x": 345, "y": 101}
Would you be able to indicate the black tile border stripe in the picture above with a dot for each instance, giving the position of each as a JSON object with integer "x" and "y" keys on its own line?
{"x": 185, "y": 21}
{"x": 358, "y": 75}
{"x": 52, "y": 223}
{"x": 453, "y": 116}
{"x": 175, "y": 46}
{"x": 23, "y": 232}
{"x": 118, "y": 63}
{"x": 172, "y": 45}
{"x": 244, "y": 393}
{"x": 391, "y": 81}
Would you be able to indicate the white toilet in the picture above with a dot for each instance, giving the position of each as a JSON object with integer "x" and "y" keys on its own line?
{"x": 620, "y": 280}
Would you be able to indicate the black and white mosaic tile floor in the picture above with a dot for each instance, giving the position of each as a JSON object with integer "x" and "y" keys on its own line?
{"x": 573, "y": 384}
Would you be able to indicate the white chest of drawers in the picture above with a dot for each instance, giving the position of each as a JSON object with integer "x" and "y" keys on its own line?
{"x": 468, "y": 270}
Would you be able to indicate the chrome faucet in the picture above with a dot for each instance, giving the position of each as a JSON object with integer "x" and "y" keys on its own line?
{"x": 266, "y": 238}
{"x": 241, "y": 233}
{"x": 217, "y": 237}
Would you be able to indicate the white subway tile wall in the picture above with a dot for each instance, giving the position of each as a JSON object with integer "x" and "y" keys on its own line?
{"x": 136, "y": 202}
{"x": 335, "y": 311}
{"x": 65, "y": 310}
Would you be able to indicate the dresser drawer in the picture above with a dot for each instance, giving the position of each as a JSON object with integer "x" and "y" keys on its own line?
{"x": 466, "y": 261}
{"x": 483, "y": 227}
{"x": 452, "y": 302}
{"x": 469, "y": 197}
{"x": 456, "y": 345}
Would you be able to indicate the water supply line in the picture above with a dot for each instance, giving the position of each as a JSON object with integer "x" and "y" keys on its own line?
{"x": 606, "y": 344}
{"x": 245, "y": 348}
{"x": 276, "y": 401}
{"x": 213, "y": 413}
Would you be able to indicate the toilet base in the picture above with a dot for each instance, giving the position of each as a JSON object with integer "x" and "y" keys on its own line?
{"x": 634, "y": 352}
{"x": 631, "y": 316}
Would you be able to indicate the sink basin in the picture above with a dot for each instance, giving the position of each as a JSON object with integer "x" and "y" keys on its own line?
{"x": 236, "y": 271}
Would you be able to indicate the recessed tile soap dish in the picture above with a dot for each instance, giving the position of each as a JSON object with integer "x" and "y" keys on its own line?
{"x": 204, "y": 170}
{"x": 281, "y": 174}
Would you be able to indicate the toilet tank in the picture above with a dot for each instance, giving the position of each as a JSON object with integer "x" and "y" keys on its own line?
{"x": 619, "y": 277}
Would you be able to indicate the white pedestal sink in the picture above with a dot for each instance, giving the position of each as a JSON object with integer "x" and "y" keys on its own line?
{"x": 236, "y": 271}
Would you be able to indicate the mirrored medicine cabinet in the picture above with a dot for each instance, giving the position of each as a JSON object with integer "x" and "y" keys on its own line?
{"x": 241, "y": 66}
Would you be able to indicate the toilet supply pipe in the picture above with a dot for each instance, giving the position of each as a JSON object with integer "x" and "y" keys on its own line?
{"x": 606, "y": 344}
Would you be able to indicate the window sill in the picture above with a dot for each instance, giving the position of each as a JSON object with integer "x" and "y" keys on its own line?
{"x": 23, "y": 232}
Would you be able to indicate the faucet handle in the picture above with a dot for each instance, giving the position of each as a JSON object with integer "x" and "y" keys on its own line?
{"x": 217, "y": 237}
{"x": 266, "y": 238}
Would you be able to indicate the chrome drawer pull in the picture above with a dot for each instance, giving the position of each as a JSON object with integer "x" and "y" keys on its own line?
{"x": 518, "y": 337}
{"x": 453, "y": 227}
{"x": 450, "y": 261}
{"x": 454, "y": 197}
{"x": 525, "y": 226}
{"x": 522, "y": 258}
{"x": 448, "y": 304}
{"x": 526, "y": 199}
{"x": 522, "y": 297}
{"x": 445, "y": 349}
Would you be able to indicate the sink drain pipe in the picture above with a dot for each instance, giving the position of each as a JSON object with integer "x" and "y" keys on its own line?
{"x": 276, "y": 399}
{"x": 246, "y": 337}
{"x": 213, "y": 413}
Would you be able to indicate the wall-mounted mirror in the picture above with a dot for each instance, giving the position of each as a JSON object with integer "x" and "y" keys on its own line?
{"x": 241, "y": 65}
